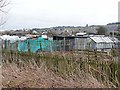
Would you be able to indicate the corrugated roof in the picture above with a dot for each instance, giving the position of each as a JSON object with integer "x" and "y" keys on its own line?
{"x": 101, "y": 39}
{"x": 107, "y": 39}
{"x": 114, "y": 39}
{"x": 96, "y": 39}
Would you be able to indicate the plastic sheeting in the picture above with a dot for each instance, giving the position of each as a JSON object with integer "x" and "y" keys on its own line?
{"x": 12, "y": 39}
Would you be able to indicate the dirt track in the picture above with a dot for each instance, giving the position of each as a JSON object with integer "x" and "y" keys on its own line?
{"x": 34, "y": 77}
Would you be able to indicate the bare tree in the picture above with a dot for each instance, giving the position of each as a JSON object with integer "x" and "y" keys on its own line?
{"x": 3, "y": 4}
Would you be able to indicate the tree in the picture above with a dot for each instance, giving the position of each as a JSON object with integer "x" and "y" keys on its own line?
{"x": 3, "y": 4}
{"x": 101, "y": 30}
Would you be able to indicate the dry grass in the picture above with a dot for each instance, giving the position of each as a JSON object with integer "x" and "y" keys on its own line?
{"x": 34, "y": 77}
{"x": 60, "y": 69}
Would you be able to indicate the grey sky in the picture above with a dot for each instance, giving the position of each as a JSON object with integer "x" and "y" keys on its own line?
{"x": 48, "y": 13}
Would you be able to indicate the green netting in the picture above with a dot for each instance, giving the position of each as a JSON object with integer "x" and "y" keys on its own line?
{"x": 23, "y": 46}
{"x": 35, "y": 45}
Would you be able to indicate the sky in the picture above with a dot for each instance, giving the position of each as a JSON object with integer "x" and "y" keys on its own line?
{"x": 50, "y": 13}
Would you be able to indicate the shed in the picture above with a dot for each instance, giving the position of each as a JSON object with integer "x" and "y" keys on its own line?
{"x": 66, "y": 42}
{"x": 102, "y": 42}
{"x": 74, "y": 42}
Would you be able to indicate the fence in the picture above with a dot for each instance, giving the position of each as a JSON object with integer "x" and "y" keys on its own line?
{"x": 38, "y": 45}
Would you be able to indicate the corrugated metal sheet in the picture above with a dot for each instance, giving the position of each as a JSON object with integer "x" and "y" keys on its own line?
{"x": 80, "y": 43}
{"x": 106, "y": 40}
{"x": 115, "y": 40}
{"x": 96, "y": 39}
{"x": 101, "y": 39}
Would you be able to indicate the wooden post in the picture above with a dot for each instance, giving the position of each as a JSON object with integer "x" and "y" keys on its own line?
{"x": 40, "y": 46}
{"x": 8, "y": 44}
{"x": 64, "y": 43}
{"x": 16, "y": 46}
{"x": 28, "y": 46}
{"x": 5, "y": 44}
{"x": 2, "y": 44}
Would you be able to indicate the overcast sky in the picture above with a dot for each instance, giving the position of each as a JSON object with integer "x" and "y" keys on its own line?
{"x": 48, "y": 13}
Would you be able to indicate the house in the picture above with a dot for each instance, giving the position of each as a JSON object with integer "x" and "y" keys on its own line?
{"x": 34, "y": 32}
{"x": 18, "y": 33}
{"x": 113, "y": 28}
{"x": 90, "y": 29}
